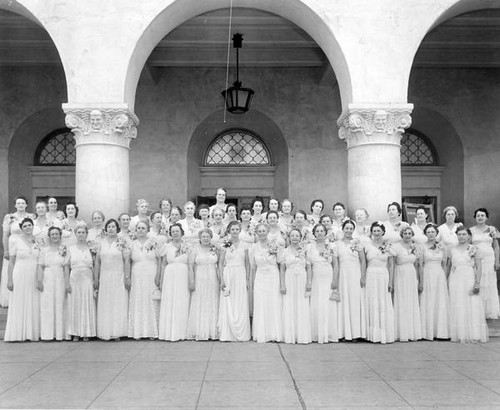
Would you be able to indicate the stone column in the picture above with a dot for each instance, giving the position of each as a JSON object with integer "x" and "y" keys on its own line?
{"x": 102, "y": 136}
{"x": 373, "y": 134}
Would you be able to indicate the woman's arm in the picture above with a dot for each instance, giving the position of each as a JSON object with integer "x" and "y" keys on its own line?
{"x": 390, "y": 267}
{"x": 362, "y": 262}
{"x": 39, "y": 277}
{"x": 282, "y": 278}
{"x": 191, "y": 271}
{"x": 67, "y": 284}
{"x": 477, "y": 276}
{"x": 222, "y": 262}
{"x": 97, "y": 270}
{"x": 10, "y": 283}
{"x": 496, "y": 249}
{"x": 335, "y": 279}
{"x": 127, "y": 282}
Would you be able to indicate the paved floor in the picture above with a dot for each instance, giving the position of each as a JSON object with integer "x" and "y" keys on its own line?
{"x": 214, "y": 375}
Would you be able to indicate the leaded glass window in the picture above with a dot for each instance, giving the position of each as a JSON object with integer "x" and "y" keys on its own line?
{"x": 58, "y": 148}
{"x": 416, "y": 150}
{"x": 237, "y": 148}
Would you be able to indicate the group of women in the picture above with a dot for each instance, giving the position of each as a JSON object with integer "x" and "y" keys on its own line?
{"x": 220, "y": 274}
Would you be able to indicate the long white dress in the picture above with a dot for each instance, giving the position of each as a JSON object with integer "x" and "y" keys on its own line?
{"x": 352, "y": 320}
{"x": 379, "y": 308}
{"x": 81, "y": 301}
{"x": 175, "y": 295}
{"x": 392, "y": 231}
{"x": 53, "y": 301}
{"x": 267, "y": 302}
{"x": 448, "y": 236}
{"x": 11, "y": 227}
{"x": 204, "y": 309}
{"x": 143, "y": 311}
{"x": 191, "y": 230}
{"x": 324, "y": 312}
{"x": 407, "y": 323}
{"x": 467, "y": 322}
{"x": 23, "y": 317}
{"x": 112, "y": 303}
{"x": 434, "y": 299}
{"x": 486, "y": 257}
{"x": 419, "y": 236}
{"x": 296, "y": 303}
{"x": 234, "y": 319}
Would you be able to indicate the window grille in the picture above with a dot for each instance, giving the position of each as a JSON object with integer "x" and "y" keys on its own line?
{"x": 237, "y": 148}
{"x": 58, "y": 148}
{"x": 416, "y": 150}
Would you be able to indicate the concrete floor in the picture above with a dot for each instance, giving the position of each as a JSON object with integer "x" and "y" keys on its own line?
{"x": 214, "y": 375}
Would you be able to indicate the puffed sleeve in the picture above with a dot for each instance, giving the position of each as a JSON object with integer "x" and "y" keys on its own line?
{"x": 6, "y": 223}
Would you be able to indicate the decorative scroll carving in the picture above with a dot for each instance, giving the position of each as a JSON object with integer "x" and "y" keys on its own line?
{"x": 374, "y": 124}
{"x": 112, "y": 122}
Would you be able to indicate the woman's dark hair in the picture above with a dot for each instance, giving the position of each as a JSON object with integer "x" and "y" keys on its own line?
{"x": 323, "y": 217}
{"x": 429, "y": 226}
{"x": 123, "y": 214}
{"x": 377, "y": 224}
{"x": 152, "y": 215}
{"x": 165, "y": 200}
{"x": 464, "y": 228}
{"x": 257, "y": 199}
{"x": 484, "y": 210}
{"x": 112, "y": 221}
{"x": 177, "y": 225}
{"x": 221, "y": 189}
{"x": 424, "y": 209}
{"x": 317, "y": 200}
{"x": 270, "y": 213}
{"x": 21, "y": 197}
{"x": 302, "y": 212}
{"x": 316, "y": 228}
{"x": 178, "y": 208}
{"x": 24, "y": 221}
{"x": 200, "y": 208}
{"x": 347, "y": 222}
{"x": 397, "y": 205}
{"x": 232, "y": 205}
{"x": 76, "y": 209}
{"x": 245, "y": 208}
{"x": 231, "y": 224}
{"x": 338, "y": 204}
{"x": 54, "y": 228}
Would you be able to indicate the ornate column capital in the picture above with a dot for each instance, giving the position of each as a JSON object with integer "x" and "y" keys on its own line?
{"x": 364, "y": 124}
{"x": 104, "y": 124}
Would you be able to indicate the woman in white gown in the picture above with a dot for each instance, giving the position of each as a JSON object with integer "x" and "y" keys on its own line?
{"x": 247, "y": 233}
{"x": 448, "y": 231}
{"x": 52, "y": 287}
{"x": 484, "y": 237}
{"x": 467, "y": 322}
{"x": 173, "y": 282}
{"x": 434, "y": 299}
{"x": 81, "y": 285}
{"x": 234, "y": 319}
{"x": 286, "y": 218}
{"x": 407, "y": 284}
{"x": 419, "y": 225}
{"x": 379, "y": 286}
{"x": 113, "y": 269}
{"x": 352, "y": 276}
{"x": 11, "y": 231}
{"x": 143, "y": 311}
{"x": 41, "y": 224}
{"x": 204, "y": 284}
{"x": 325, "y": 296}
{"x": 96, "y": 233}
{"x": 394, "y": 224}
{"x": 69, "y": 224}
{"x": 296, "y": 277}
{"x": 190, "y": 225}
{"x": 142, "y": 207}
{"x": 23, "y": 316}
{"x": 267, "y": 300}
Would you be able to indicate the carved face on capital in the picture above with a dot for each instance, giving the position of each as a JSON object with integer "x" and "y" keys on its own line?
{"x": 380, "y": 120}
{"x": 96, "y": 120}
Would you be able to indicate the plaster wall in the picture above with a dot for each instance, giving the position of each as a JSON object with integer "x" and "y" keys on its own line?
{"x": 462, "y": 104}
{"x": 289, "y": 108}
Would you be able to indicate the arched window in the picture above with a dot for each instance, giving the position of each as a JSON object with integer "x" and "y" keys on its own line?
{"x": 237, "y": 147}
{"x": 417, "y": 150}
{"x": 57, "y": 148}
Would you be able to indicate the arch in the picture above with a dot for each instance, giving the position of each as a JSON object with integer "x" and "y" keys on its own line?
{"x": 417, "y": 149}
{"x": 57, "y": 148}
{"x": 179, "y": 11}
{"x": 255, "y": 121}
{"x": 36, "y": 15}
{"x": 239, "y": 148}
